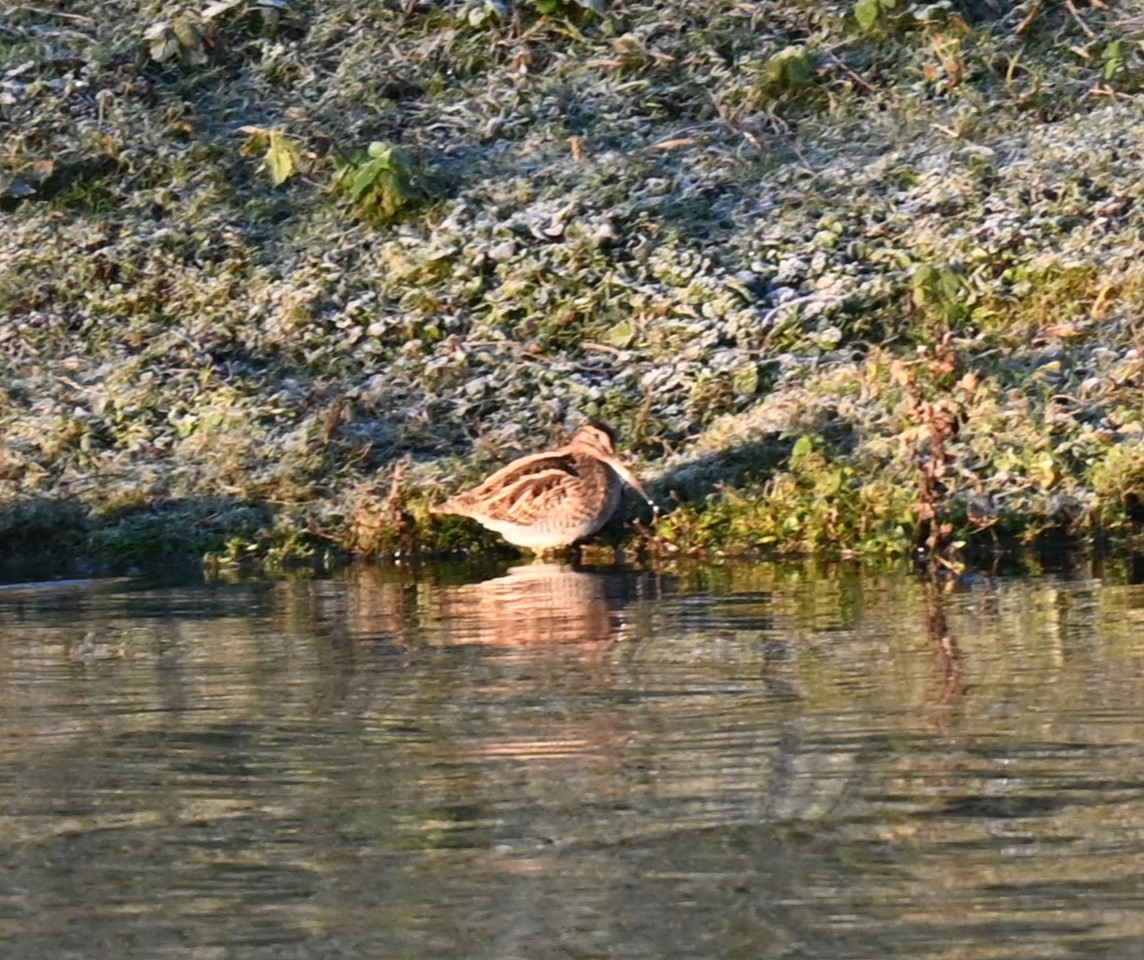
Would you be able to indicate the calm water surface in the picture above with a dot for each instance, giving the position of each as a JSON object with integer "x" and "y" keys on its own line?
{"x": 542, "y": 763}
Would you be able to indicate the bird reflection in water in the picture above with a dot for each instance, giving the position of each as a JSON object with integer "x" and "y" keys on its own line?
{"x": 547, "y": 632}
{"x": 536, "y": 603}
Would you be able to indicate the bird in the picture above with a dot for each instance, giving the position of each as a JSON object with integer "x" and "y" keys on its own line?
{"x": 552, "y": 499}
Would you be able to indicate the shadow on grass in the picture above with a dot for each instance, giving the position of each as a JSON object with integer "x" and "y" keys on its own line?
{"x": 748, "y": 463}
{"x": 53, "y": 537}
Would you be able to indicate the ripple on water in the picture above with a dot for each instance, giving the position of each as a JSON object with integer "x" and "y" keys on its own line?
{"x": 544, "y": 762}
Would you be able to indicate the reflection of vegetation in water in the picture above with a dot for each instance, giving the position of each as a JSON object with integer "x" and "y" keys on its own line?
{"x": 776, "y": 746}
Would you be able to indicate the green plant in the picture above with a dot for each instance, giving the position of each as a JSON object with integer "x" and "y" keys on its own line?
{"x": 820, "y": 503}
{"x": 183, "y": 38}
{"x": 939, "y": 289}
{"x": 887, "y": 16}
{"x": 1117, "y": 64}
{"x": 382, "y": 182}
{"x": 1118, "y": 481}
{"x": 787, "y": 72}
{"x": 566, "y": 8}
{"x": 281, "y": 156}
{"x": 190, "y": 38}
{"x": 869, "y": 13}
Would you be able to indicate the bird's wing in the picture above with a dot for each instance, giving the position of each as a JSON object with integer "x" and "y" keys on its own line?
{"x": 522, "y": 492}
{"x": 527, "y": 490}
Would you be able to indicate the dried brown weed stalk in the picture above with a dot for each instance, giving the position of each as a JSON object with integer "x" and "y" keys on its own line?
{"x": 936, "y": 412}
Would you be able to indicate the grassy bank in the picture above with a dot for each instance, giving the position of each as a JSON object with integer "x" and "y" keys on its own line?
{"x": 846, "y": 277}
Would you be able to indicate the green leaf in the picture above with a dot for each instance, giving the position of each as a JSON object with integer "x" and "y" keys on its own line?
{"x": 382, "y": 181}
{"x": 794, "y": 65}
{"x": 745, "y": 380}
{"x": 1114, "y": 59}
{"x": 803, "y": 446}
{"x": 936, "y": 284}
{"x": 949, "y": 285}
{"x": 621, "y": 335}
{"x": 867, "y": 12}
{"x": 282, "y": 158}
{"x": 366, "y": 177}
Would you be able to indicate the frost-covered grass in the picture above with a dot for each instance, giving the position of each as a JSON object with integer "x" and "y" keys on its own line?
{"x": 846, "y": 277}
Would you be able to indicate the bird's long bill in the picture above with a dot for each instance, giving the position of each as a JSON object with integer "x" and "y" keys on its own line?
{"x": 630, "y": 479}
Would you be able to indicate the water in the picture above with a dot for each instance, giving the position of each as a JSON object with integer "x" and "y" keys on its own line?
{"x": 751, "y": 762}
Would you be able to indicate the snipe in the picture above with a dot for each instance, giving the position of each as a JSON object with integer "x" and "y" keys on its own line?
{"x": 552, "y": 499}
